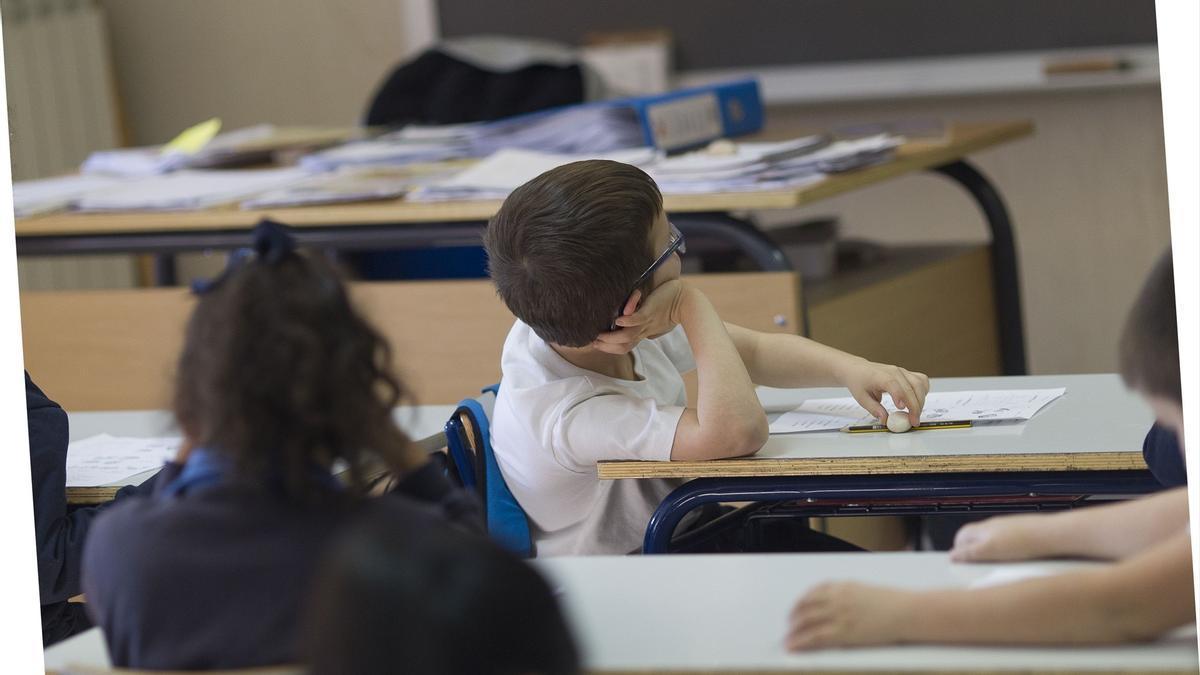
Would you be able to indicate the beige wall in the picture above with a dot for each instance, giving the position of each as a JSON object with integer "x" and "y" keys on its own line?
{"x": 249, "y": 61}
{"x": 1087, "y": 196}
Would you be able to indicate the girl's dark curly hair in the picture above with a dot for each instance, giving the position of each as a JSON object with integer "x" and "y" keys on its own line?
{"x": 282, "y": 375}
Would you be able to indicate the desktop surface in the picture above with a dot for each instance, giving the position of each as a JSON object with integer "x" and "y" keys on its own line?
{"x": 1097, "y": 425}
{"x": 728, "y": 613}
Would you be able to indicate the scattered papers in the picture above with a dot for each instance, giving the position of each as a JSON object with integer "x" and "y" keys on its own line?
{"x": 574, "y": 130}
{"x": 186, "y": 190}
{"x": 831, "y": 414}
{"x": 384, "y": 152}
{"x": 237, "y": 147}
{"x": 769, "y": 166}
{"x": 105, "y": 459}
{"x": 350, "y": 185}
{"x": 32, "y": 197}
{"x": 581, "y": 130}
{"x": 506, "y": 170}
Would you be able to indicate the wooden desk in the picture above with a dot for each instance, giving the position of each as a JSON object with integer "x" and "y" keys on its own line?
{"x": 404, "y": 224}
{"x": 728, "y": 614}
{"x": 1087, "y": 442}
{"x": 422, "y": 423}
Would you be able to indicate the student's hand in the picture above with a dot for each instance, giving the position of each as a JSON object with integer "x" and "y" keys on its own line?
{"x": 846, "y": 614}
{"x": 1001, "y": 539}
{"x": 658, "y": 315}
{"x": 868, "y": 381}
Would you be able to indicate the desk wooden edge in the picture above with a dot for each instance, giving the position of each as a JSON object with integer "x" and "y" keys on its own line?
{"x": 859, "y": 466}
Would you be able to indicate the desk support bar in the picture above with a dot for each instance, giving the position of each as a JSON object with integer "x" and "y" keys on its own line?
{"x": 1004, "y": 263}
{"x": 748, "y": 238}
{"x": 947, "y": 488}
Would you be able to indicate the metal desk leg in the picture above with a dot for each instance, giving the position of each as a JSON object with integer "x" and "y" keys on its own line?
{"x": 164, "y": 269}
{"x": 840, "y": 491}
{"x": 1004, "y": 263}
{"x": 748, "y": 238}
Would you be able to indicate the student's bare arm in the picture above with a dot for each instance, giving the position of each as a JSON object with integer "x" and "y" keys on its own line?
{"x": 728, "y": 420}
{"x": 1137, "y": 599}
{"x": 1112, "y": 531}
{"x": 782, "y": 360}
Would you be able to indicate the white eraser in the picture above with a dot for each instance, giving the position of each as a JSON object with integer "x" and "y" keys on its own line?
{"x": 897, "y": 422}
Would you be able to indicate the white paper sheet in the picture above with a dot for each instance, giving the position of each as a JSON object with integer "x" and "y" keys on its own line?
{"x": 1008, "y": 405}
{"x": 105, "y": 459}
{"x": 31, "y": 197}
{"x": 504, "y": 171}
{"x": 185, "y": 190}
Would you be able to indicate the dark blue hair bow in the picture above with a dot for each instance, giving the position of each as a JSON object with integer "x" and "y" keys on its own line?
{"x": 273, "y": 242}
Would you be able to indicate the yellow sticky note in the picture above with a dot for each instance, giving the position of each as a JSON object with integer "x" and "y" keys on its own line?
{"x": 194, "y": 138}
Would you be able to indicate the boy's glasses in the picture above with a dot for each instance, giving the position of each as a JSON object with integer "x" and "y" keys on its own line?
{"x": 674, "y": 243}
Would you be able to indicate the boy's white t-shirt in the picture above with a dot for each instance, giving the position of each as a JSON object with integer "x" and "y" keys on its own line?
{"x": 553, "y": 421}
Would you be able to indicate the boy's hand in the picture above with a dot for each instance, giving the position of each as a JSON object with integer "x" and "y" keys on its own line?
{"x": 846, "y": 614}
{"x": 658, "y": 315}
{"x": 868, "y": 381}
{"x": 1000, "y": 539}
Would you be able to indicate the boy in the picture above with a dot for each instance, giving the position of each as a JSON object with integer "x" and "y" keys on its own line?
{"x": 1140, "y": 597}
{"x": 586, "y": 259}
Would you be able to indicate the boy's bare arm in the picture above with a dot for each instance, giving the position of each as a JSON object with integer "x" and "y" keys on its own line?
{"x": 1112, "y": 531}
{"x": 1137, "y": 599}
{"x": 728, "y": 420}
{"x": 782, "y": 360}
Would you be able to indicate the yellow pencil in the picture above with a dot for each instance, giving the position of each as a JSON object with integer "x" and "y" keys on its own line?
{"x": 925, "y": 426}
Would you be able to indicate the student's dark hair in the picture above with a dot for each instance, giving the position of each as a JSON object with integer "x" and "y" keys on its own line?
{"x": 398, "y": 595}
{"x": 566, "y": 247}
{"x": 280, "y": 374}
{"x": 1149, "y": 350}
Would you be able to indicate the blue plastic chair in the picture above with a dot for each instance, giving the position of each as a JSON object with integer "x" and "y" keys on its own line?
{"x": 468, "y": 440}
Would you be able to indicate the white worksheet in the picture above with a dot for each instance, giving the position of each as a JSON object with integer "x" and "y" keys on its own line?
{"x": 105, "y": 459}
{"x": 1007, "y": 405}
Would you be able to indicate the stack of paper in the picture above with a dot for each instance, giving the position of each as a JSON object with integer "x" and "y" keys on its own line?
{"x": 187, "y": 190}
{"x": 768, "y": 166}
{"x": 238, "y": 147}
{"x": 504, "y": 171}
{"x": 748, "y": 167}
{"x": 384, "y": 151}
{"x": 350, "y": 184}
{"x": 106, "y": 460}
{"x": 32, "y": 197}
{"x": 1009, "y": 405}
{"x": 575, "y": 130}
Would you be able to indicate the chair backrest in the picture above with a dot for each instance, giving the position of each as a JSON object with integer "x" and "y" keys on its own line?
{"x": 505, "y": 519}
{"x": 116, "y": 349}
{"x": 460, "y": 447}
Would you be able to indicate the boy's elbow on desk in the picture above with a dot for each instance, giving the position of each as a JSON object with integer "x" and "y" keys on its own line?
{"x": 733, "y": 438}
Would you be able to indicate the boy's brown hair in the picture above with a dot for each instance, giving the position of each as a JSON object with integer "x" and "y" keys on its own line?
{"x": 1149, "y": 351}
{"x": 565, "y": 247}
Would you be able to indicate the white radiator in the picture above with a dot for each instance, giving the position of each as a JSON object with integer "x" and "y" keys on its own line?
{"x": 62, "y": 105}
